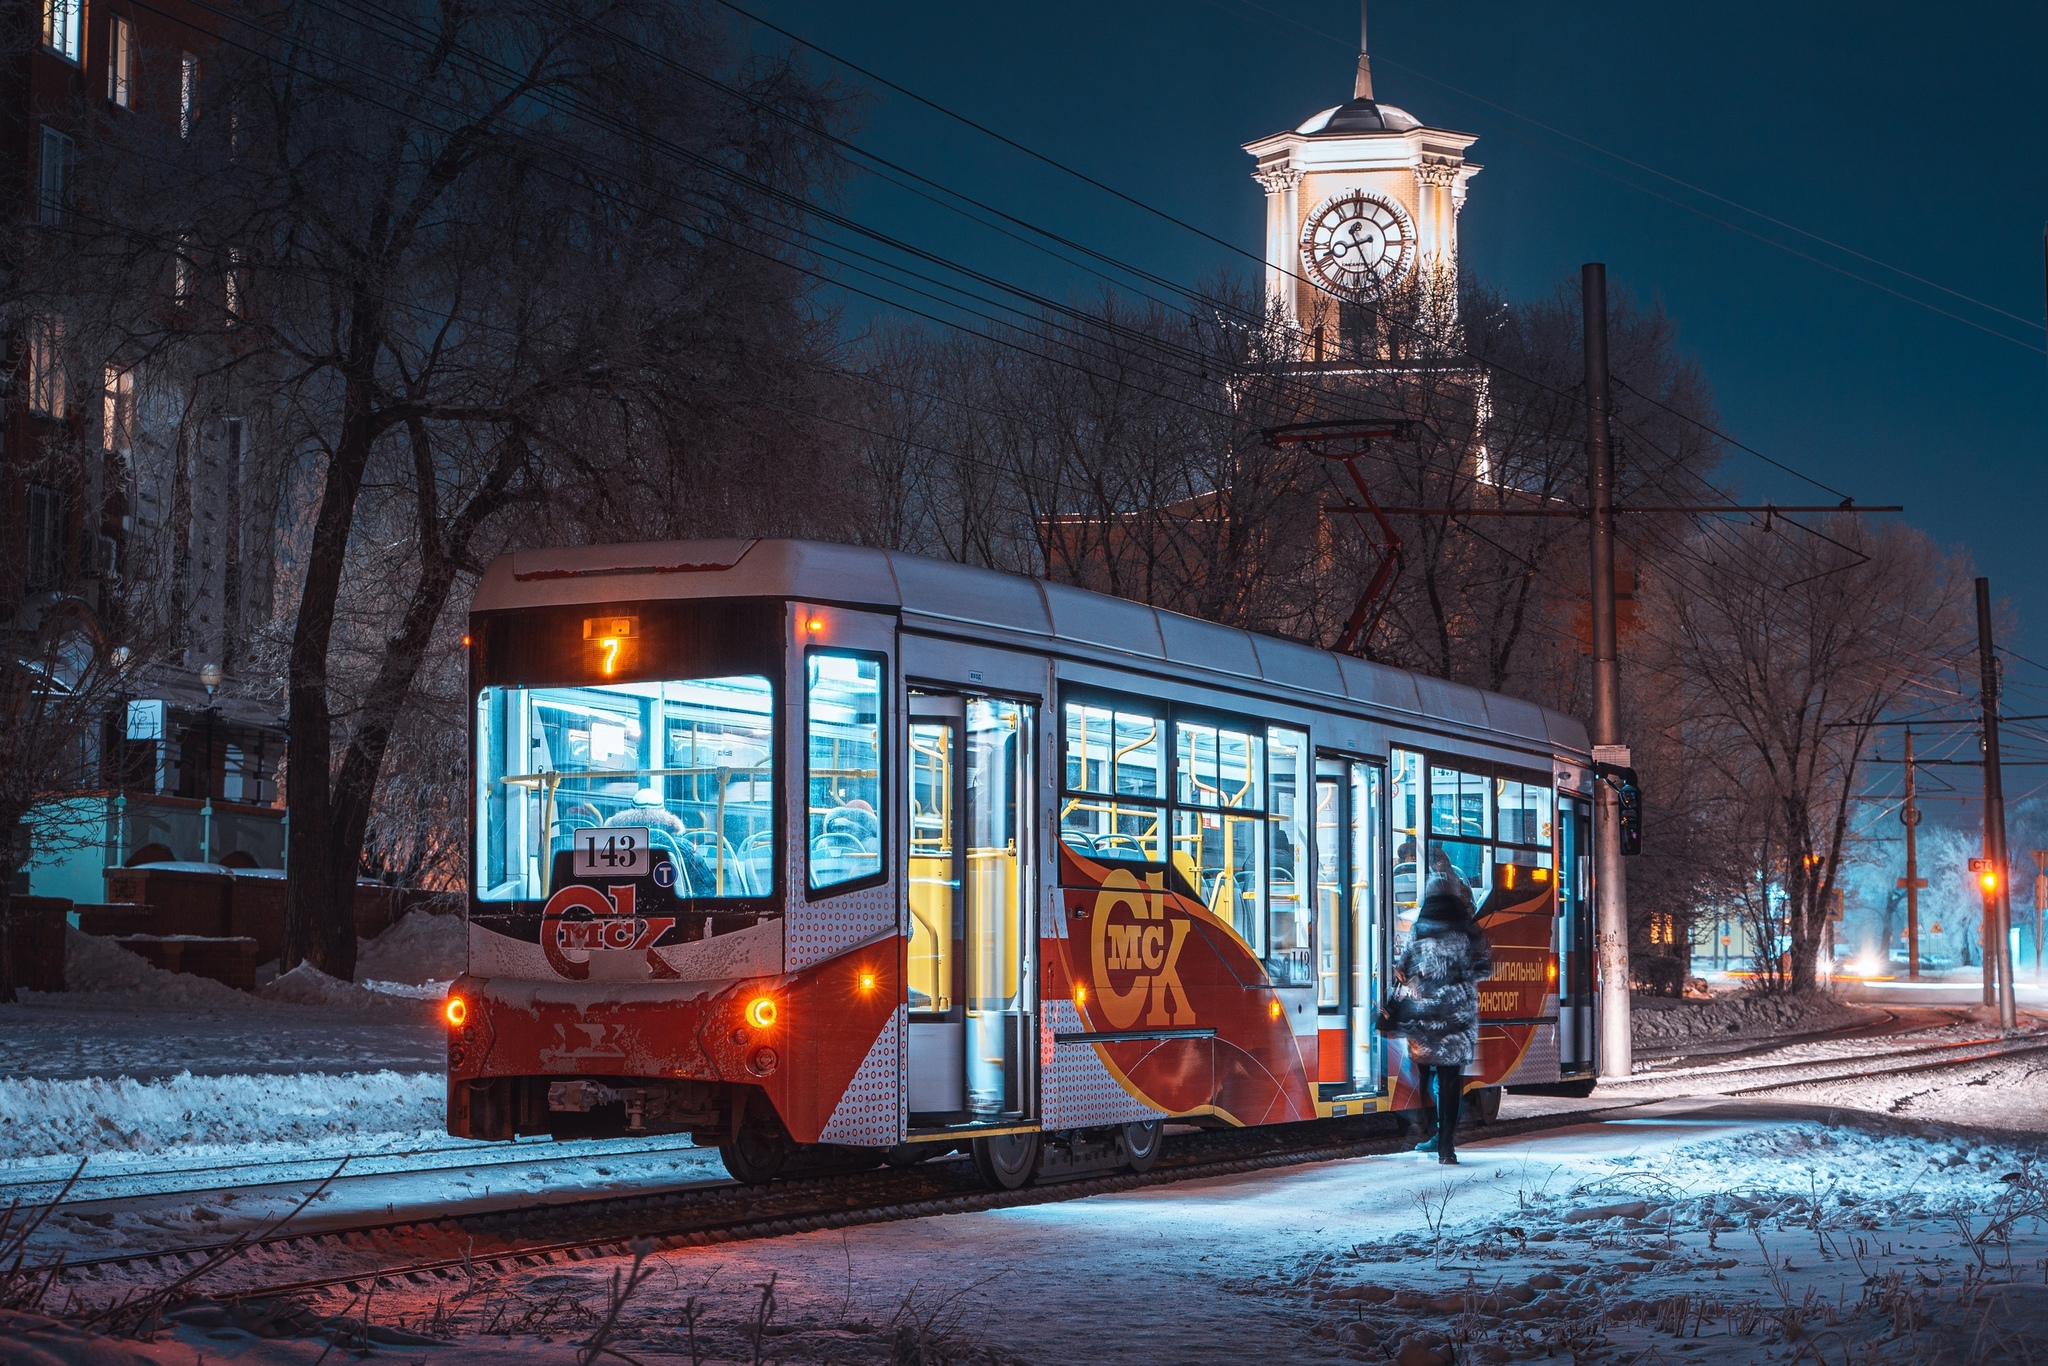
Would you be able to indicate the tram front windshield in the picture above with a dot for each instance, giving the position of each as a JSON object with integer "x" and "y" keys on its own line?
{"x": 690, "y": 762}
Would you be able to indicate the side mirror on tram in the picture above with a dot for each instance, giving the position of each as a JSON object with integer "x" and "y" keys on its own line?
{"x": 1629, "y": 804}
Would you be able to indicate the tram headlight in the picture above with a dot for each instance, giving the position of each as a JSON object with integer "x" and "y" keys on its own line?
{"x": 761, "y": 1012}
{"x": 456, "y": 1011}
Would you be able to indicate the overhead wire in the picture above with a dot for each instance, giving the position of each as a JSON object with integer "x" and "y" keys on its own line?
{"x": 1696, "y": 189}
{"x": 1043, "y": 303}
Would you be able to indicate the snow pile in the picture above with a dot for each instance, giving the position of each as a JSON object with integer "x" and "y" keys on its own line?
{"x": 92, "y": 964}
{"x": 1887, "y": 1239}
{"x": 306, "y": 985}
{"x": 209, "y": 1114}
{"x": 419, "y": 949}
{"x": 1750, "y": 1014}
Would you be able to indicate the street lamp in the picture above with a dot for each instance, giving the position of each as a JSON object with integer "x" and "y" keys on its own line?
{"x": 210, "y": 676}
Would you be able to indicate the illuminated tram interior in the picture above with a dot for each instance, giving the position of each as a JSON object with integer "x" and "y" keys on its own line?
{"x": 692, "y": 762}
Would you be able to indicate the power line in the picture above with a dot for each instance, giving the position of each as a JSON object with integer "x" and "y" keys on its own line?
{"x": 1706, "y": 193}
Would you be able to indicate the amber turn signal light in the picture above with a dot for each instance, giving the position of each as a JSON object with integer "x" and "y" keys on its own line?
{"x": 456, "y": 1011}
{"x": 761, "y": 1012}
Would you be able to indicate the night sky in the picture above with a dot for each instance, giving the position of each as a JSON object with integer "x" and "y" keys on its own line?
{"x": 1913, "y": 135}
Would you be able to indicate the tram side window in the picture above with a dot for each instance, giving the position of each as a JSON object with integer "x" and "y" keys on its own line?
{"x": 1406, "y": 794}
{"x": 843, "y": 697}
{"x": 1289, "y": 792}
{"x": 1219, "y": 843}
{"x": 1490, "y": 832}
{"x": 1525, "y": 814}
{"x": 1112, "y": 806}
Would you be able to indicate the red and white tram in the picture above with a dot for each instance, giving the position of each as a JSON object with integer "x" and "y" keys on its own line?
{"x": 803, "y": 848}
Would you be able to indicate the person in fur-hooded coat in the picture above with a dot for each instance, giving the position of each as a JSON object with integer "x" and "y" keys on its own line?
{"x": 1440, "y": 972}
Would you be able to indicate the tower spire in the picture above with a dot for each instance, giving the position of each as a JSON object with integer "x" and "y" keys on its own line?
{"x": 1362, "y": 88}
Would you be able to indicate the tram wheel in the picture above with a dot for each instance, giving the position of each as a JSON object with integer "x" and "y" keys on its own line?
{"x": 1142, "y": 1142}
{"x": 1006, "y": 1161}
{"x": 754, "y": 1157}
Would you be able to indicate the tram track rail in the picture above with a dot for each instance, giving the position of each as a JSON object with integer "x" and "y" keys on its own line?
{"x": 455, "y": 1248}
{"x": 1708, "y": 1071}
{"x": 1863, "y": 1073}
{"x": 215, "y": 1178}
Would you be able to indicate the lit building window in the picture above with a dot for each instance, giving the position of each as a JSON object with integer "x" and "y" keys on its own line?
{"x": 60, "y": 27}
{"x": 46, "y": 366}
{"x": 120, "y": 46}
{"x": 117, "y": 411}
{"x": 237, "y": 265}
{"x": 188, "y": 92}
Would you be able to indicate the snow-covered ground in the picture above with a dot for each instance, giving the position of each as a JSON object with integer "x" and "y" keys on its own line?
{"x": 143, "y": 1072}
{"x": 1711, "y": 1231}
{"x": 1742, "y": 1016}
{"x": 1872, "y": 1219}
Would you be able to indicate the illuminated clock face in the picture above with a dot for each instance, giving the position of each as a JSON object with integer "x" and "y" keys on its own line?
{"x": 1358, "y": 245}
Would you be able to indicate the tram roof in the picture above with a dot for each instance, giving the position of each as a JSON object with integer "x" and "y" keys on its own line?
{"x": 944, "y": 596}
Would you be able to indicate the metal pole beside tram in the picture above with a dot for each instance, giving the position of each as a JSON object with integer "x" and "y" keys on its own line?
{"x": 1996, "y": 936}
{"x": 1912, "y": 882}
{"x": 1610, "y": 886}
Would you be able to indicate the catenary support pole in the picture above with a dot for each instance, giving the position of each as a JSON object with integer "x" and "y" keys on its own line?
{"x": 1610, "y": 884}
{"x": 1909, "y": 816}
{"x": 1996, "y": 938}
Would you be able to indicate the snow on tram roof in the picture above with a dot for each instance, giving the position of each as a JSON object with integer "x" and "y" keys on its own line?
{"x": 944, "y": 594}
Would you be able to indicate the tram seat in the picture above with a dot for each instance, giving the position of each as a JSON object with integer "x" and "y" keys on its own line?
{"x": 739, "y": 880}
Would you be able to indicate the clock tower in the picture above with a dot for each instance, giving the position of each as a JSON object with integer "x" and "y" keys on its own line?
{"x": 1361, "y": 201}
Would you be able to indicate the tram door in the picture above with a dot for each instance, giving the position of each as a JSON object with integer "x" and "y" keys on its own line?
{"x": 1351, "y": 924}
{"x": 1574, "y": 946}
{"x": 973, "y": 946}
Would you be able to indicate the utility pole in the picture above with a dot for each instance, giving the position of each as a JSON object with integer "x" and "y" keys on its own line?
{"x": 1909, "y": 816}
{"x": 1997, "y": 909}
{"x": 1610, "y": 886}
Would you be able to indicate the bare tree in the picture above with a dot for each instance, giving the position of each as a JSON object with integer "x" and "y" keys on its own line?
{"x": 1784, "y": 648}
{"x": 59, "y": 682}
{"x": 493, "y": 272}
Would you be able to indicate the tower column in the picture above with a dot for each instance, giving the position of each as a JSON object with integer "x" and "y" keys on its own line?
{"x": 1283, "y": 202}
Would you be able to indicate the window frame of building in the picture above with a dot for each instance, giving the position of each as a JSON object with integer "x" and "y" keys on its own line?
{"x": 117, "y": 410}
{"x": 46, "y": 382}
{"x": 182, "y": 267}
{"x": 48, "y": 527}
{"x": 188, "y": 92}
{"x": 235, "y": 284}
{"x": 120, "y": 62}
{"x": 56, "y": 169}
{"x": 61, "y": 28}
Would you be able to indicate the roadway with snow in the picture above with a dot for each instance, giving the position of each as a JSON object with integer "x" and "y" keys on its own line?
{"x": 1853, "y": 1218}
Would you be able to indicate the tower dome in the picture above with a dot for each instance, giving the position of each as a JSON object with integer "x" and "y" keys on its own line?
{"x": 1362, "y": 115}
